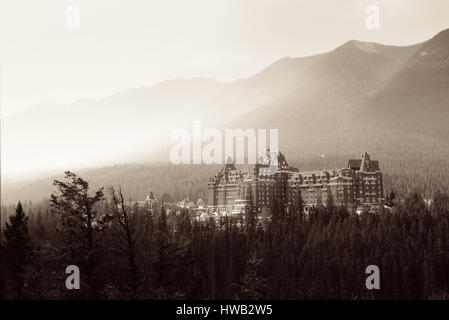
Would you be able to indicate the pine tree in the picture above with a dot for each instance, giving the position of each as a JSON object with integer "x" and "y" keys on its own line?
{"x": 299, "y": 204}
{"x": 79, "y": 226}
{"x": 330, "y": 199}
{"x": 2, "y": 270}
{"x": 162, "y": 260}
{"x": 17, "y": 250}
{"x": 253, "y": 287}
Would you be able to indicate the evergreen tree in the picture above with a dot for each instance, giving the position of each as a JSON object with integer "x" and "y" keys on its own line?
{"x": 2, "y": 270}
{"x": 162, "y": 260}
{"x": 79, "y": 226}
{"x": 299, "y": 203}
{"x": 17, "y": 251}
{"x": 330, "y": 199}
{"x": 254, "y": 286}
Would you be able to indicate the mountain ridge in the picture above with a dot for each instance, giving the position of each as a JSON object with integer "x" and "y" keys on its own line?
{"x": 336, "y": 94}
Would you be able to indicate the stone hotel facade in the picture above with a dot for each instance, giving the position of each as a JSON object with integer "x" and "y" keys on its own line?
{"x": 273, "y": 183}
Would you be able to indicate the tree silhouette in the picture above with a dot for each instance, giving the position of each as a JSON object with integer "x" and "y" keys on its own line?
{"x": 17, "y": 250}
{"x": 79, "y": 225}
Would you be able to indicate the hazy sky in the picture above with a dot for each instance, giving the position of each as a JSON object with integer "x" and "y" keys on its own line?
{"x": 133, "y": 43}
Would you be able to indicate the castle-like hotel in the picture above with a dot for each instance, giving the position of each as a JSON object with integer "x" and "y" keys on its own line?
{"x": 274, "y": 185}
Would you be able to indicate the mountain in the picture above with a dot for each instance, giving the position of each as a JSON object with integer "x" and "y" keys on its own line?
{"x": 392, "y": 101}
{"x": 330, "y": 88}
{"x": 132, "y": 124}
{"x": 415, "y": 99}
{"x": 364, "y": 95}
{"x": 99, "y": 132}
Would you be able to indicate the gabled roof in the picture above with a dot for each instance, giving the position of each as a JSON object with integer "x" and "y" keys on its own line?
{"x": 364, "y": 164}
{"x": 374, "y": 165}
{"x": 354, "y": 164}
{"x": 229, "y": 166}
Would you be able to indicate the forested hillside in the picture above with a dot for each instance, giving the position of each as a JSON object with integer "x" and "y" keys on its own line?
{"x": 133, "y": 252}
{"x": 405, "y": 171}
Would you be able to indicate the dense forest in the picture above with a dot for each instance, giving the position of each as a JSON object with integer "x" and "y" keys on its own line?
{"x": 126, "y": 251}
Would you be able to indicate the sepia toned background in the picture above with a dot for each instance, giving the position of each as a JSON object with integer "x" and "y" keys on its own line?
{"x": 132, "y": 73}
{"x": 91, "y": 90}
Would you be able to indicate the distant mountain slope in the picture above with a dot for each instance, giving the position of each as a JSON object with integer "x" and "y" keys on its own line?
{"x": 416, "y": 98}
{"x": 393, "y": 101}
{"x": 365, "y": 95}
{"x": 333, "y": 85}
{"x": 98, "y": 132}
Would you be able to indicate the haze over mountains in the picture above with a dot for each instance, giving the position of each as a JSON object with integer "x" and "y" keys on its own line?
{"x": 392, "y": 101}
